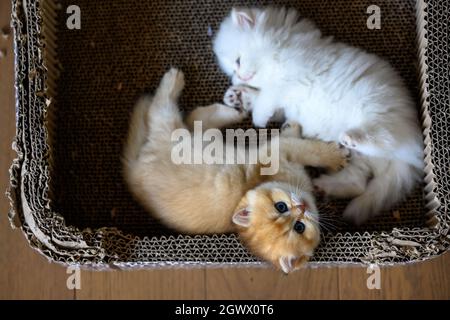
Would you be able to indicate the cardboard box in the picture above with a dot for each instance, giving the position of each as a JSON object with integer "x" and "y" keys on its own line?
{"x": 76, "y": 87}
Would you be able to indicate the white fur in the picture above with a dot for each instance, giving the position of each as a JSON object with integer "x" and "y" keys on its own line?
{"x": 337, "y": 92}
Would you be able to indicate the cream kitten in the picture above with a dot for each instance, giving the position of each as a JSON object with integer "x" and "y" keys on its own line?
{"x": 336, "y": 92}
{"x": 275, "y": 215}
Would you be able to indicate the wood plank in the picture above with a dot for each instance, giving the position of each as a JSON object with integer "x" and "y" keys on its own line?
{"x": 25, "y": 273}
{"x": 423, "y": 280}
{"x": 256, "y": 283}
{"x": 173, "y": 284}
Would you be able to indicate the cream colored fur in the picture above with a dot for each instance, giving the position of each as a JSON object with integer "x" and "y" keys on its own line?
{"x": 202, "y": 199}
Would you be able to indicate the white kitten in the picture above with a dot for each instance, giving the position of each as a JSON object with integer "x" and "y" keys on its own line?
{"x": 336, "y": 92}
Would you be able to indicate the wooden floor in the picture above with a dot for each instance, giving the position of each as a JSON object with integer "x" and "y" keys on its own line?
{"x": 27, "y": 275}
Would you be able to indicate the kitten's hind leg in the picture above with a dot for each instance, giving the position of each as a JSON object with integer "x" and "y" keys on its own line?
{"x": 347, "y": 183}
{"x": 370, "y": 140}
{"x": 163, "y": 115}
{"x": 154, "y": 118}
{"x": 215, "y": 116}
{"x": 356, "y": 139}
{"x": 163, "y": 107}
{"x": 171, "y": 86}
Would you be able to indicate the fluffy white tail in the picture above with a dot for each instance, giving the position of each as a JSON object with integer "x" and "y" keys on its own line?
{"x": 383, "y": 191}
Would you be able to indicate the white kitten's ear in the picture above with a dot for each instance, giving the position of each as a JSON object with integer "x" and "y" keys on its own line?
{"x": 291, "y": 263}
{"x": 242, "y": 19}
{"x": 242, "y": 217}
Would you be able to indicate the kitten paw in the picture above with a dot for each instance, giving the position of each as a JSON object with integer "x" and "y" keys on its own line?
{"x": 291, "y": 129}
{"x": 260, "y": 120}
{"x": 351, "y": 139}
{"x": 342, "y": 158}
{"x": 238, "y": 97}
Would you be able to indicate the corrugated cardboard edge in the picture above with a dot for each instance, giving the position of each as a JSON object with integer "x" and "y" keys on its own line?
{"x": 47, "y": 232}
{"x": 431, "y": 242}
{"x": 14, "y": 171}
{"x": 28, "y": 68}
{"x": 431, "y": 198}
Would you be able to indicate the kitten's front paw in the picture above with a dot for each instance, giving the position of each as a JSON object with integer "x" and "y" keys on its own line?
{"x": 238, "y": 97}
{"x": 260, "y": 119}
{"x": 351, "y": 139}
{"x": 342, "y": 157}
{"x": 291, "y": 129}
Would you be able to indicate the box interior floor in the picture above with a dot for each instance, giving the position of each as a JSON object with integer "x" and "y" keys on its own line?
{"x": 123, "y": 49}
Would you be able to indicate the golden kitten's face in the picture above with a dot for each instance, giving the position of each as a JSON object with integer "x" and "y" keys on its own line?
{"x": 279, "y": 226}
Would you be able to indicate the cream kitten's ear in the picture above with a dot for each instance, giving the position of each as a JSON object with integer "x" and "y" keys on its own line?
{"x": 242, "y": 19}
{"x": 242, "y": 217}
{"x": 289, "y": 264}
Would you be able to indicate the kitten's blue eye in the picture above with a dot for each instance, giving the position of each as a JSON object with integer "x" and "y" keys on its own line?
{"x": 281, "y": 207}
{"x": 238, "y": 62}
{"x": 299, "y": 227}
